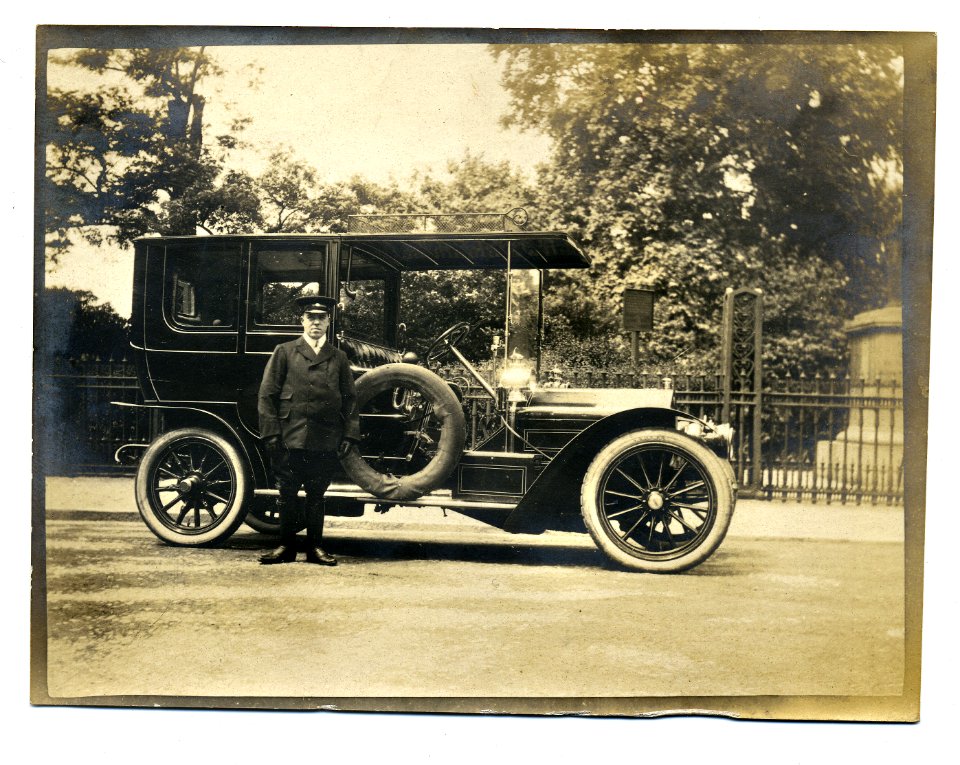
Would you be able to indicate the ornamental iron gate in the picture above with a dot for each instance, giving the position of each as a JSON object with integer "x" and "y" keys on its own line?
{"x": 742, "y": 374}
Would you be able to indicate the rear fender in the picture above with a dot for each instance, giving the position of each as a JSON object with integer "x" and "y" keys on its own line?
{"x": 553, "y": 501}
{"x": 181, "y": 416}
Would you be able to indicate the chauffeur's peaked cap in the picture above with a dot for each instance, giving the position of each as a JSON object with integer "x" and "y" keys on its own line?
{"x": 315, "y": 303}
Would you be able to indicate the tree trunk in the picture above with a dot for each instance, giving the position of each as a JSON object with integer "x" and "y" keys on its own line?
{"x": 196, "y": 123}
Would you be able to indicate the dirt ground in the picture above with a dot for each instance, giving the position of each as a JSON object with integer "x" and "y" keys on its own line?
{"x": 417, "y": 610}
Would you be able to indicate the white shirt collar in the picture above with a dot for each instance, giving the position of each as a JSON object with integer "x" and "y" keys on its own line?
{"x": 316, "y": 346}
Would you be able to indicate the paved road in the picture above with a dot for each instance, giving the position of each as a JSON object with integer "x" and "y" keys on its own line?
{"x": 808, "y": 605}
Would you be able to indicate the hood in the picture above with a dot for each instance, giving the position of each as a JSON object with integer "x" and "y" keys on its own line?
{"x": 598, "y": 402}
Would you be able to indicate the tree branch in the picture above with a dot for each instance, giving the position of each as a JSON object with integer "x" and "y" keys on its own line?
{"x": 78, "y": 174}
{"x": 195, "y": 76}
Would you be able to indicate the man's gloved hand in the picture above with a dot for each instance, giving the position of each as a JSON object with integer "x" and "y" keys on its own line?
{"x": 345, "y": 446}
{"x": 273, "y": 445}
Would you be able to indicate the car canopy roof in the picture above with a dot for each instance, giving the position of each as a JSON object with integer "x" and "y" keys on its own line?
{"x": 437, "y": 251}
{"x": 427, "y": 252}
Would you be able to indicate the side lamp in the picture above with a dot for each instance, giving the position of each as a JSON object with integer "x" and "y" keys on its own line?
{"x": 517, "y": 375}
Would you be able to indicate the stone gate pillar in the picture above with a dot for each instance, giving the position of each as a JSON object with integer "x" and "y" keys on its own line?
{"x": 869, "y": 452}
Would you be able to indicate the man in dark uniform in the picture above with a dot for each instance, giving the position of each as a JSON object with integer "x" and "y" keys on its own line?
{"x": 308, "y": 416}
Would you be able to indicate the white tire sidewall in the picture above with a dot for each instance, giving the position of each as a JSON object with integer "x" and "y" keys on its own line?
{"x": 232, "y": 516}
{"x": 721, "y": 488}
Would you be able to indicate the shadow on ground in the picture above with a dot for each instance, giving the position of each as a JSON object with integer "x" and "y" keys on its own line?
{"x": 352, "y": 551}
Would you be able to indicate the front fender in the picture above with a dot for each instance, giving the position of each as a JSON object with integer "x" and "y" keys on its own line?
{"x": 553, "y": 500}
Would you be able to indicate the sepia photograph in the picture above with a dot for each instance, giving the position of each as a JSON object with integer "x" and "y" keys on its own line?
{"x": 481, "y": 371}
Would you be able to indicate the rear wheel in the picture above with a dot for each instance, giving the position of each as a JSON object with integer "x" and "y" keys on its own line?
{"x": 657, "y": 501}
{"x": 192, "y": 488}
{"x": 264, "y": 517}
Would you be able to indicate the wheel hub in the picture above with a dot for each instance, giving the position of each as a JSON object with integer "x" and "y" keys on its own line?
{"x": 655, "y": 500}
{"x": 189, "y": 485}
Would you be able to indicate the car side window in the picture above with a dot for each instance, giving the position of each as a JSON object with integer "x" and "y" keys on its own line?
{"x": 201, "y": 287}
{"x": 280, "y": 275}
{"x": 363, "y": 299}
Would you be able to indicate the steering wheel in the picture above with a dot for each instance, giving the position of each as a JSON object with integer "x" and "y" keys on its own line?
{"x": 441, "y": 346}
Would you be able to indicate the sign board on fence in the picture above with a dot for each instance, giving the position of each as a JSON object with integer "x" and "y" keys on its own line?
{"x": 638, "y": 309}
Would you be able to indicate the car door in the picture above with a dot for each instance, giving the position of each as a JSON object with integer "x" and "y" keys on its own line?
{"x": 278, "y": 271}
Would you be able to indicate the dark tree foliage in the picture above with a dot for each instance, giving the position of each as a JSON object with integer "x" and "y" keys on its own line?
{"x": 292, "y": 198}
{"x": 693, "y": 168}
{"x": 433, "y": 301}
{"x": 73, "y": 326}
{"x": 131, "y": 158}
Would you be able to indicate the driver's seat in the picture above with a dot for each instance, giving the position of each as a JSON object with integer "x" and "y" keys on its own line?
{"x": 365, "y": 355}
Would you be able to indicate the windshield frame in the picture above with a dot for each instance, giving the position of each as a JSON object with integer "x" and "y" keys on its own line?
{"x": 523, "y": 305}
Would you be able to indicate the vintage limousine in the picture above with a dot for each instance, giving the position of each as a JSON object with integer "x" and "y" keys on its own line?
{"x": 652, "y": 485}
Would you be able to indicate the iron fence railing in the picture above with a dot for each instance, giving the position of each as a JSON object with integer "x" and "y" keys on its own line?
{"x": 432, "y": 223}
{"x": 833, "y": 440}
{"x": 822, "y": 439}
{"x": 80, "y": 428}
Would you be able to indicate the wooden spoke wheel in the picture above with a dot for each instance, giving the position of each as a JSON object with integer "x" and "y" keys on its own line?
{"x": 657, "y": 501}
{"x": 192, "y": 488}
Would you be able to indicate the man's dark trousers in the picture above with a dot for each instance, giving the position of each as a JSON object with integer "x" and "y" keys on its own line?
{"x": 313, "y": 471}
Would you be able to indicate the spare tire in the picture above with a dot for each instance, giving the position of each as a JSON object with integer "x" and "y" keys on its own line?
{"x": 453, "y": 433}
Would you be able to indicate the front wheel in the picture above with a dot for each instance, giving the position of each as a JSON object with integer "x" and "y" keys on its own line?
{"x": 192, "y": 488}
{"x": 657, "y": 501}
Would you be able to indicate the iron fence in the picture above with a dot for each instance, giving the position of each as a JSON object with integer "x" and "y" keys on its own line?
{"x": 822, "y": 439}
{"x": 80, "y": 428}
{"x": 831, "y": 440}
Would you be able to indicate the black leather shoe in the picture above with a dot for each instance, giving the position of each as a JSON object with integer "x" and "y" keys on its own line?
{"x": 318, "y": 556}
{"x": 283, "y": 554}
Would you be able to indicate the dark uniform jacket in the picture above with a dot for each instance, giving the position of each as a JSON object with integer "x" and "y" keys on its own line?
{"x": 308, "y": 399}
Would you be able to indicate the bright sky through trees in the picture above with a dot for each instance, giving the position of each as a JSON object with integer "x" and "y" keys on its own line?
{"x": 377, "y": 111}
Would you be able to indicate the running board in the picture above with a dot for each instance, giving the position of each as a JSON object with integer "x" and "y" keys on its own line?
{"x": 430, "y": 500}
